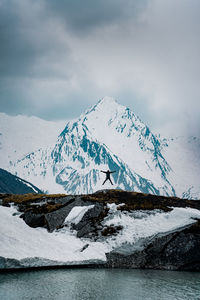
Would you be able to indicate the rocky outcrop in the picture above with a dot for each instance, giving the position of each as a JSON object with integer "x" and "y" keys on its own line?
{"x": 172, "y": 250}
{"x": 178, "y": 250}
{"x": 55, "y": 220}
{"x": 91, "y": 219}
{"x": 51, "y": 213}
{"x": 34, "y": 220}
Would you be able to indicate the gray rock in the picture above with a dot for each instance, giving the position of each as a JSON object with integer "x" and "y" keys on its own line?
{"x": 85, "y": 231}
{"x": 6, "y": 204}
{"x": 63, "y": 200}
{"x": 9, "y": 263}
{"x": 56, "y": 219}
{"x": 34, "y": 220}
{"x": 84, "y": 247}
{"x": 174, "y": 251}
{"x": 182, "y": 252}
{"x": 17, "y": 213}
{"x": 89, "y": 222}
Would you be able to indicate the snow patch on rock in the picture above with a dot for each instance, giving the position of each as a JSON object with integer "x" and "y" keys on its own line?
{"x": 76, "y": 214}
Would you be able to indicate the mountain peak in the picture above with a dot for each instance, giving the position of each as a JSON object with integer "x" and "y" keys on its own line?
{"x": 107, "y": 105}
{"x": 107, "y": 100}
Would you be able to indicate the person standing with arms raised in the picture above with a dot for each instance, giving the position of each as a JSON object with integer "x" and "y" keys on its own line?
{"x": 108, "y": 176}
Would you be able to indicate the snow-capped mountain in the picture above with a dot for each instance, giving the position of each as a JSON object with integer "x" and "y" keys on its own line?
{"x": 21, "y": 135}
{"x": 183, "y": 156}
{"x": 110, "y": 136}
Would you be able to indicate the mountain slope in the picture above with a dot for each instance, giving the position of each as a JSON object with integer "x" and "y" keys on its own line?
{"x": 75, "y": 167}
{"x": 21, "y": 135}
{"x": 89, "y": 144}
{"x": 78, "y": 160}
{"x": 83, "y": 149}
{"x": 183, "y": 156}
{"x": 127, "y": 136}
{"x": 14, "y": 185}
{"x": 110, "y": 136}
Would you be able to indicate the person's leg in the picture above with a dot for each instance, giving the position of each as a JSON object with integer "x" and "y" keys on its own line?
{"x": 110, "y": 181}
{"x": 104, "y": 181}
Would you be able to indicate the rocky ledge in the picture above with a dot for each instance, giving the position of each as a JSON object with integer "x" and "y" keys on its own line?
{"x": 130, "y": 230}
{"x": 178, "y": 250}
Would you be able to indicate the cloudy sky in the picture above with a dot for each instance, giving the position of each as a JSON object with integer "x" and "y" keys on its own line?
{"x": 57, "y": 58}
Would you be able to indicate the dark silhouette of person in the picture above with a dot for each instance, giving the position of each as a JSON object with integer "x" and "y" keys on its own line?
{"x": 108, "y": 176}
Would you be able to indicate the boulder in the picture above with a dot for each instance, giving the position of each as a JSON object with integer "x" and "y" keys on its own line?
{"x": 34, "y": 220}
{"x": 174, "y": 251}
{"x": 90, "y": 221}
{"x": 57, "y": 218}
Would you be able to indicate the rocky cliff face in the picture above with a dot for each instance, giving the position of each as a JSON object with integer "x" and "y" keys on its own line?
{"x": 111, "y": 227}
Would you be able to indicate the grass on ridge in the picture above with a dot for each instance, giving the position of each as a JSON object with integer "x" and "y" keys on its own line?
{"x": 26, "y": 198}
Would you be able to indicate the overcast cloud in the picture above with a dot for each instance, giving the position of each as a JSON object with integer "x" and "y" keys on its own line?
{"x": 59, "y": 57}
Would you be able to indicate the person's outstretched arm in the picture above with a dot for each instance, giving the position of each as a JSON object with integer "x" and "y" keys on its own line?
{"x": 103, "y": 171}
{"x": 113, "y": 172}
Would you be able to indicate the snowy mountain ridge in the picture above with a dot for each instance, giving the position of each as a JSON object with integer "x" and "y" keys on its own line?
{"x": 21, "y": 135}
{"x": 111, "y": 136}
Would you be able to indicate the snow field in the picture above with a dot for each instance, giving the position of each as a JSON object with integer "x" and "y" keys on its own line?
{"x": 21, "y": 241}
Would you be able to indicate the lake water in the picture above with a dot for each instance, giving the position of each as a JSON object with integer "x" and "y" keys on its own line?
{"x": 100, "y": 284}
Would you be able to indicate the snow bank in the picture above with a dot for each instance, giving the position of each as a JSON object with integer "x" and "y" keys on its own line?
{"x": 142, "y": 224}
{"x": 20, "y": 241}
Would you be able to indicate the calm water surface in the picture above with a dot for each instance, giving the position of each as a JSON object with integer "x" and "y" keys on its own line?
{"x": 99, "y": 284}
